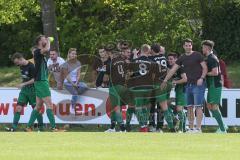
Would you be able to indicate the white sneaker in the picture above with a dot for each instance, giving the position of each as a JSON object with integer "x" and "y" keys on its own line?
{"x": 190, "y": 130}
{"x": 197, "y": 130}
{"x": 152, "y": 129}
{"x": 111, "y": 130}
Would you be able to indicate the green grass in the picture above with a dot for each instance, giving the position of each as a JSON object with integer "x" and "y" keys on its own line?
{"x": 9, "y": 76}
{"x": 122, "y": 146}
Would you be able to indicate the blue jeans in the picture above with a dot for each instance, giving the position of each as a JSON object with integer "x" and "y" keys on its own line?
{"x": 75, "y": 91}
{"x": 195, "y": 94}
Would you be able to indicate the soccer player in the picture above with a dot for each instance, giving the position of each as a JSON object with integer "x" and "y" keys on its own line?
{"x": 141, "y": 85}
{"x": 179, "y": 81}
{"x": 27, "y": 93}
{"x": 43, "y": 94}
{"x": 117, "y": 89}
{"x": 214, "y": 83}
{"x": 162, "y": 96}
{"x": 125, "y": 48}
{"x": 195, "y": 68}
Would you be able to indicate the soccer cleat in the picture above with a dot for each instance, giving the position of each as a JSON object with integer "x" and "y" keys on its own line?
{"x": 172, "y": 130}
{"x": 128, "y": 128}
{"x": 152, "y": 129}
{"x": 9, "y": 129}
{"x": 219, "y": 130}
{"x": 58, "y": 130}
{"x": 111, "y": 130}
{"x": 143, "y": 129}
{"x": 28, "y": 129}
{"x": 159, "y": 130}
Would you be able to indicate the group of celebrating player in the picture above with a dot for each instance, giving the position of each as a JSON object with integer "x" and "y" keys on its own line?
{"x": 142, "y": 80}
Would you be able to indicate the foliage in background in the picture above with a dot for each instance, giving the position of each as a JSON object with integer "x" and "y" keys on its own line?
{"x": 18, "y": 30}
{"x": 221, "y": 23}
{"x": 86, "y": 24}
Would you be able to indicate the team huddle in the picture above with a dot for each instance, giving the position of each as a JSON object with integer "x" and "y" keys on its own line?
{"x": 142, "y": 80}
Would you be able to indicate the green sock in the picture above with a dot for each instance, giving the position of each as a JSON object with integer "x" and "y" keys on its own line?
{"x": 33, "y": 117}
{"x": 40, "y": 120}
{"x": 113, "y": 116}
{"x": 130, "y": 112}
{"x": 16, "y": 119}
{"x": 168, "y": 117}
{"x": 182, "y": 118}
{"x": 217, "y": 115}
{"x": 170, "y": 111}
{"x": 140, "y": 117}
{"x": 51, "y": 118}
{"x": 184, "y": 122}
{"x": 119, "y": 117}
{"x": 145, "y": 112}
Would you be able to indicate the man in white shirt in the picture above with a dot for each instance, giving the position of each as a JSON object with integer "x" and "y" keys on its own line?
{"x": 53, "y": 64}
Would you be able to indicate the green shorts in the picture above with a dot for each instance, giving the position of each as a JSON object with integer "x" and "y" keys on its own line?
{"x": 142, "y": 95}
{"x": 42, "y": 89}
{"x": 118, "y": 95}
{"x": 180, "y": 96}
{"x": 162, "y": 94}
{"x": 214, "y": 95}
{"x": 27, "y": 95}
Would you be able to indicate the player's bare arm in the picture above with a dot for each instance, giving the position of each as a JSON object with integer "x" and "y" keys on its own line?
{"x": 204, "y": 73}
{"x": 182, "y": 80}
{"x": 171, "y": 72}
{"x": 31, "y": 81}
{"x": 45, "y": 47}
{"x": 78, "y": 75}
{"x": 214, "y": 72}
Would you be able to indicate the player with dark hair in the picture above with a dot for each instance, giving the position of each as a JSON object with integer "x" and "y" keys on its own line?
{"x": 179, "y": 81}
{"x": 27, "y": 93}
{"x": 162, "y": 95}
{"x": 155, "y": 49}
{"x": 214, "y": 83}
{"x": 140, "y": 85}
{"x": 118, "y": 92}
{"x": 41, "y": 84}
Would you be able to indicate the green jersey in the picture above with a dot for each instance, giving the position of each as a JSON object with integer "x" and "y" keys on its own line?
{"x": 213, "y": 81}
{"x": 41, "y": 71}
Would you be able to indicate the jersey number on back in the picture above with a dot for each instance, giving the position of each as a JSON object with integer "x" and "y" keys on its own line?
{"x": 120, "y": 70}
{"x": 143, "y": 69}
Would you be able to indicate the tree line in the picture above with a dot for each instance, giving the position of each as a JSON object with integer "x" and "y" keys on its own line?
{"x": 88, "y": 24}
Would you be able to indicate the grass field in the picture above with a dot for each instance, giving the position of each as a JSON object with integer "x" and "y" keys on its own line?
{"x": 122, "y": 146}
